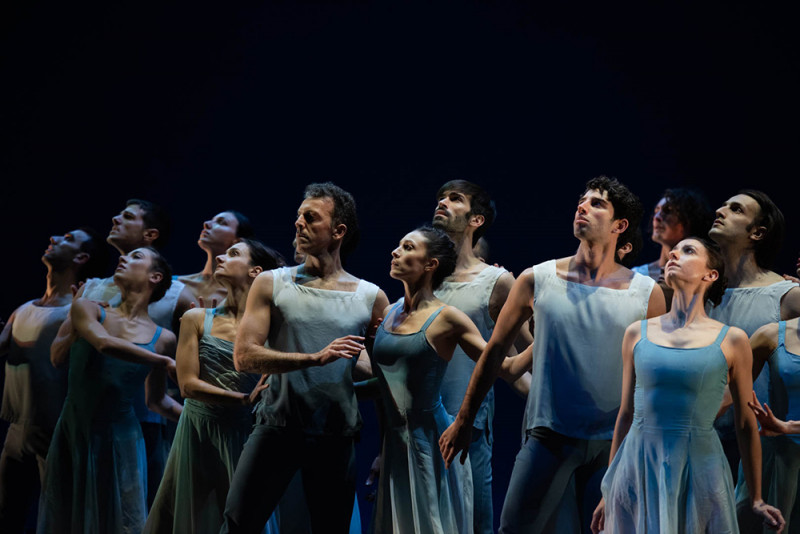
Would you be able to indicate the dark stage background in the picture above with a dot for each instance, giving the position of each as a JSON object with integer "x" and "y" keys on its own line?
{"x": 204, "y": 108}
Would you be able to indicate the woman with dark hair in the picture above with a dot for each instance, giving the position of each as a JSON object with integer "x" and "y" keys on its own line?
{"x": 96, "y": 464}
{"x": 668, "y": 473}
{"x": 216, "y": 418}
{"x": 411, "y": 350}
{"x": 218, "y": 234}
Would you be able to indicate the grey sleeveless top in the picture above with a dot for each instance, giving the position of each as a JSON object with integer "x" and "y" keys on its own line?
{"x": 577, "y": 359}
{"x": 315, "y": 400}
{"x": 471, "y": 298}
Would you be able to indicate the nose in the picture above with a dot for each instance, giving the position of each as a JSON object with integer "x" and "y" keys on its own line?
{"x": 673, "y": 254}
{"x": 221, "y": 258}
{"x": 720, "y": 212}
{"x": 207, "y": 225}
{"x": 396, "y": 253}
{"x": 298, "y": 223}
{"x": 122, "y": 260}
{"x": 582, "y": 208}
{"x": 116, "y": 220}
{"x": 53, "y": 239}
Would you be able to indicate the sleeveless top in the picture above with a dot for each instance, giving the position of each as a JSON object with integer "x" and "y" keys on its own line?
{"x": 471, "y": 298}
{"x": 34, "y": 390}
{"x": 314, "y": 400}
{"x": 577, "y": 358}
{"x": 217, "y": 369}
{"x": 784, "y": 383}
{"x": 160, "y": 311}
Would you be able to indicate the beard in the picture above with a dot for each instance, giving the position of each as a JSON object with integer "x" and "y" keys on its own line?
{"x": 455, "y": 225}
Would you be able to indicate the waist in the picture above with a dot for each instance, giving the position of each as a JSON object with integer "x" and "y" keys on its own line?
{"x": 219, "y": 412}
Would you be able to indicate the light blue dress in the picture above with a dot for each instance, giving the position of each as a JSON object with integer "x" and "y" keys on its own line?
{"x": 96, "y": 477}
{"x": 206, "y": 447}
{"x": 670, "y": 474}
{"x": 416, "y": 493}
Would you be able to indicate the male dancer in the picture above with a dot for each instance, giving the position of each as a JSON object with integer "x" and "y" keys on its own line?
{"x": 749, "y": 229}
{"x": 465, "y": 211}
{"x": 315, "y": 317}
{"x": 140, "y": 224}
{"x": 582, "y": 305}
{"x": 34, "y": 390}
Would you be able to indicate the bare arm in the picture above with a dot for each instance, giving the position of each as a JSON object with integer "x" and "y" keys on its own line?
{"x": 363, "y": 368}
{"x": 516, "y": 311}
{"x": 741, "y": 387}
{"x": 66, "y": 336}
{"x": 790, "y": 304}
{"x": 763, "y": 343}
{"x": 84, "y": 315}
{"x": 656, "y": 305}
{"x": 155, "y": 385}
{"x": 249, "y": 352}
{"x": 625, "y": 415}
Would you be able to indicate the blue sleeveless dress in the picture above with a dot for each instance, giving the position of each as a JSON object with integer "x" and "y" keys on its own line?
{"x": 96, "y": 477}
{"x": 206, "y": 447}
{"x": 416, "y": 493}
{"x": 670, "y": 474}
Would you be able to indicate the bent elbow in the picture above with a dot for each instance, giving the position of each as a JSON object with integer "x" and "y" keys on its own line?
{"x": 239, "y": 359}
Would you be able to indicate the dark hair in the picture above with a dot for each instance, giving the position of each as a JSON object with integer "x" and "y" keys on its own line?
{"x": 160, "y": 265}
{"x": 691, "y": 208}
{"x": 480, "y": 203}
{"x": 771, "y": 218}
{"x": 636, "y": 247}
{"x": 154, "y": 216}
{"x": 344, "y": 212}
{"x": 97, "y": 250}
{"x": 439, "y": 245}
{"x": 262, "y": 255}
{"x": 626, "y": 204}
{"x": 715, "y": 261}
{"x": 244, "y": 228}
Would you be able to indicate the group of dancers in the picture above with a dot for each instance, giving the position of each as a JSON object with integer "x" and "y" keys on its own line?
{"x": 641, "y": 416}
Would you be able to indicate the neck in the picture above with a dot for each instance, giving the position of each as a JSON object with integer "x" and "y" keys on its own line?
{"x": 596, "y": 259}
{"x": 325, "y": 265}
{"x": 417, "y": 294}
{"x": 59, "y": 285}
{"x": 688, "y": 306}
{"x": 134, "y": 301}
{"x": 465, "y": 256}
{"x": 664, "y": 258}
{"x": 210, "y": 266}
{"x": 235, "y": 299}
{"x": 741, "y": 268}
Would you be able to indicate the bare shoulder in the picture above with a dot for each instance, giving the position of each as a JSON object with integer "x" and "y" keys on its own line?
{"x": 634, "y": 330}
{"x": 193, "y": 316}
{"x": 767, "y": 335}
{"x": 166, "y": 342}
{"x": 737, "y": 337}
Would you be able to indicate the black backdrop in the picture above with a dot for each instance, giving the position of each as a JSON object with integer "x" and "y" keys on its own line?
{"x": 206, "y": 108}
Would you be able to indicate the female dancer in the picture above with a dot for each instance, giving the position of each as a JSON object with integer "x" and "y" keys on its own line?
{"x": 778, "y": 345}
{"x": 216, "y": 418}
{"x": 411, "y": 350}
{"x": 96, "y": 465}
{"x": 668, "y": 473}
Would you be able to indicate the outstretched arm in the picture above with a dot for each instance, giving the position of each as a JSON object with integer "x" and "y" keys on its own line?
{"x": 517, "y": 310}
{"x": 249, "y": 352}
{"x": 741, "y": 386}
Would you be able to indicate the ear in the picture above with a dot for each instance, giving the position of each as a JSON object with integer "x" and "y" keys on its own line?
{"x": 758, "y": 233}
{"x": 711, "y": 276}
{"x": 155, "y": 277}
{"x": 477, "y": 220}
{"x": 432, "y": 264}
{"x": 620, "y": 225}
{"x": 81, "y": 258}
{"x": 339, "y": 231}
{"x": 150, "y": 235}
{"x": 255, "y": 271}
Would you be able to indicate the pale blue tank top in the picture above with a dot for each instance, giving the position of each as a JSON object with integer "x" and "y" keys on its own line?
{"x": 472, "y": 298}
{"x": 315, "y": 400}
{"x": 784, "y": 383}
{"x": 577, "y": 360}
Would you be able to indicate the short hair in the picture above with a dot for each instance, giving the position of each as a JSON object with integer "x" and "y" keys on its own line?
{"x": 160, "y": 265}
{"x": 626, "y": 204}
{"x": 154, "y": 216}
{"x": 771, "y": 218}
{"x": 691, "y": 208}
{"x": 716, "y": 290}
{"x": 97, "y": 250}
{"x": 439, "y": 245}
{"x": 636, "y": 247}
{"x": 344, "y": 212}
{"x": 480, "y": 203}
{"x": 244, "y": 228}
{"x": 262, "y": 255}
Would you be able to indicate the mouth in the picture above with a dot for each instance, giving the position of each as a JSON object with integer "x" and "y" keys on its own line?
{"x": 717, "y": 222}
{"x": 440, "y": 213}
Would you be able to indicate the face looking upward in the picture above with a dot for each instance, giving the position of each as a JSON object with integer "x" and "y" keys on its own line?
{"x": 735, "y": 220}
{"x": 135, "y": 268}
{"x": 688, "y": 263}
{"x": 452, "y": 212}
{"x": 235, "y": 265}
{"x": 66, "y": 249}
{"x": 667, "y": 227}
{"x": 128, "y": 229}
{"x": 410, "y": 259}
{"x": 219, "y": 233}
{"x": 594, "y": 217}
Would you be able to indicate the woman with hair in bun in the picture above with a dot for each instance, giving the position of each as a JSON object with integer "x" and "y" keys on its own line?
{"x": 216, "y": 418}
{"x": 667, "y": 472}
{"x": 411, "y": 350}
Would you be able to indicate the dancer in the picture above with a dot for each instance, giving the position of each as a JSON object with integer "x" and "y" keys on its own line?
{"x": 582, "y": 306}
{"x": 34, "y": 390}
{"x": 465, "y": 211}
{"x": 315, "y": 316}
{"x": 95, "y": 479}
{"x": 749, "y": 229}
{"x": 216, "y": 418}
{"x": 777, "y": 345}
{"x": 668, "y": 473}
{"x": 218, "y": 234}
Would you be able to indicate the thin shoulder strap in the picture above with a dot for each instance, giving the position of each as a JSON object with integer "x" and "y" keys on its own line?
{"x": 431, "y": 319}
{"x": 208, "y": 321}
{"x": 781, "y": 333}
{"x": 643, "y": 324}
{"x": 102, "y": 314}
{"x": 721, "y": 335}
